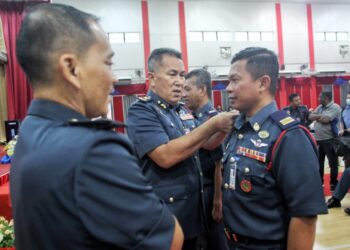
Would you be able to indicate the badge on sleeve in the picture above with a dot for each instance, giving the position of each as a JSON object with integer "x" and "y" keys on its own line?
{"x": 246, "y": 186}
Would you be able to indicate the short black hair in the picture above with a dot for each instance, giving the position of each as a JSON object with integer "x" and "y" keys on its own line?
{"x": 260, "y": 61}
{"x": 292, "y": 96}
{"x": 48, "y": 29}
{"x": 327, "y": 94}
{"x": 155, "y": 59}
{"x": 203, "y": 78}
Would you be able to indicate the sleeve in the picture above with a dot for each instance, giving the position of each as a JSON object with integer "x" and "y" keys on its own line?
{"x": 144, "y": 129}
{"x": 333, "y": 112}
{"x": 299, "y": 180}
{"x": 116, "y": 203}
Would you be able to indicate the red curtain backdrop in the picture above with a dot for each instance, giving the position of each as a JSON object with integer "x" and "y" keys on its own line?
{"x": 19, "y": 93}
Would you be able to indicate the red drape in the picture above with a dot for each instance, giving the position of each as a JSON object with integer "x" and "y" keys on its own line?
{"x": 19, "y": 92}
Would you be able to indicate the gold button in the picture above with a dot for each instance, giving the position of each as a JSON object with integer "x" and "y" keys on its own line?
{"x": 171, "y": 199}
{"x": 240, "y": 136}
{"x": 226, "y": 186}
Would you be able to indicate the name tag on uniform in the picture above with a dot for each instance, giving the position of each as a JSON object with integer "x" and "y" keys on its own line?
{"x": 187, "y": 116}
{"x": 233, "y": 171}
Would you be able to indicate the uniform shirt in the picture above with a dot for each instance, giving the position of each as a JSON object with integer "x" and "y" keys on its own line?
{"x": 151, "y": 123}
{"x": 346, "y": 116}
{"x": 208, "y": 157}
{"x": 300, "y": 113}
{"x": 324, "y": 131}
{"x": 76, "y": 187}
{"x": 258, "y": 203}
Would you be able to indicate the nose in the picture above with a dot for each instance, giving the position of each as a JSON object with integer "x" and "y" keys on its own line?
{"x": 114, "y": 78}
{"x": 229, "y": 87}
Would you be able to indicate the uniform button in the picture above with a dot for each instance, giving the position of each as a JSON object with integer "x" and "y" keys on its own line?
{"x": 202, "y": 191}
{"x": 171, "y": 199}
{"x": 246, "y": 170}
{"x": 226, "y": 186}
{"x": 201, "y": 173}
{"x": 74, "y": 120}
{"x": 240, "y": 136}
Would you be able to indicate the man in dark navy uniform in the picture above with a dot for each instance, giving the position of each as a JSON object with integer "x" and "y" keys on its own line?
{"x": 272, "y": 192}
{"x": 297, "y": 111}
{"x": 166, "y": 139}
{"x": 74, "y": 182}
{"x": 197, "y": 90}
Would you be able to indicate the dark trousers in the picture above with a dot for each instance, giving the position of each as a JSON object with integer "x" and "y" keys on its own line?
{"x": 242, "y": 246}
{"x": 347, "y": 159}
{"x": 343, "y": 185}
{"x": 325, "y": 147}
{"x": 190, "y": 244}
{"x": 214, "y": 236}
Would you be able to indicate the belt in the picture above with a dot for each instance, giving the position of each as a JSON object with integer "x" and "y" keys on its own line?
{"x": 237, "y": 238}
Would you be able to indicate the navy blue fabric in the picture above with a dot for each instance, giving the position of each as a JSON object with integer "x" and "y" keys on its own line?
{"x": 291, "y": 189}
{"x": 208, "y": 157}
{"x": 76, "y": 187}
{"x": 300, "y": 113}
{"x": 151, "y": 123}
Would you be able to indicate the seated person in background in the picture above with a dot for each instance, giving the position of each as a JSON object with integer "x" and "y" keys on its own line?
{"x": 340, "y": 191}
{"x": 299, "y": 112}
{"x": 74, "y": 182}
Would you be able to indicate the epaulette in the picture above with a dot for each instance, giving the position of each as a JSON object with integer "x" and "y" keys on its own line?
{"x": 283, "y": 119}
{"x": 101, "y": 124}
{"x": 146, "y": 98}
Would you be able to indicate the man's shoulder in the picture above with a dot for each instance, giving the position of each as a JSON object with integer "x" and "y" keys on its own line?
{"x": 283, "y": 120}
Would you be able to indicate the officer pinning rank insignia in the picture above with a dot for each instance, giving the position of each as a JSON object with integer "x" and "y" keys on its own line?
{"x": 251, "y": 153}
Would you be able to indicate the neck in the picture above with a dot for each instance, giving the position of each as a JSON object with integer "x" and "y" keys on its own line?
{"x": 202, "y": 103}
{"x": 264, "y": 102}
{"x": 60, "y": 95}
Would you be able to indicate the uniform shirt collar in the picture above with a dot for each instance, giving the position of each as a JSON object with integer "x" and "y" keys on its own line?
{"x": 258, "y": 118}
{"x": 161, "y": 102}
{"x": 204, "y": 110}
{"x": 54, "y": 111}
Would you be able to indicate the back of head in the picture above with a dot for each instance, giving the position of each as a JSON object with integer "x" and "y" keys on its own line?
{"x": 155, "y": 59}
{"x": 47, "y": 31}
{"x": 260, "y": 61}
{"x": 202, "y": 79}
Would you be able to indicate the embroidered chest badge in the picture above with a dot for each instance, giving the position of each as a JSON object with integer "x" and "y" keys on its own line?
{"x": 258, "y": 143}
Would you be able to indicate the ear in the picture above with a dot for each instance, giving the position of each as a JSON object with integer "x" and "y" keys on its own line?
{"x": 265, "y": 83}
{"x": 203, "y": 90}
{"x": 151, "y": 78}
{"x": 69, "y": 67}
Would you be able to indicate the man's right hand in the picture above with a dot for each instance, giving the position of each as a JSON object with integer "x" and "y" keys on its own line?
{"x": 225, "y": 120}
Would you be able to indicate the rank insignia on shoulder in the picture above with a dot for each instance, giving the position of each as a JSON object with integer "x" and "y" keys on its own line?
{"x": 286, "y": 120}
{"x": 246, "y": 186}
{"x": 213, "y": 111}
{"x": 146, "y": 98}
{"x": 103, "y": 124}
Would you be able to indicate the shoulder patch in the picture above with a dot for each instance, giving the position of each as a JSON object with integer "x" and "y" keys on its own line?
{"x": 146, "y": 98}
{"x": 102, "y": 124}
{"x": 283, "y": 119}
